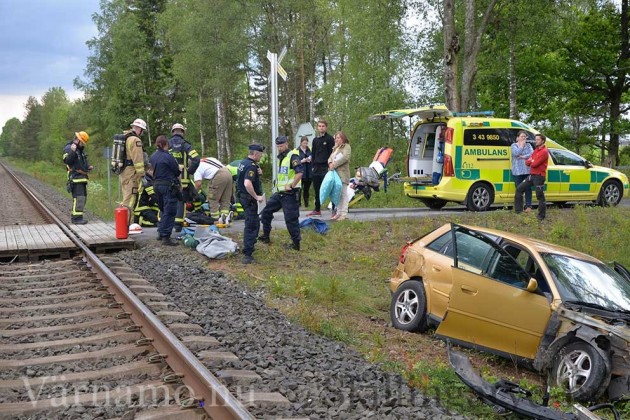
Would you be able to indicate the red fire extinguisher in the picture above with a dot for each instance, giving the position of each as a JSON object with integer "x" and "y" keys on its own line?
{"x": 122, "y": 222}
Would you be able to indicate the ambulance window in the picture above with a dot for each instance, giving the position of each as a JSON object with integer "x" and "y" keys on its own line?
{"x": 487, "y": 137}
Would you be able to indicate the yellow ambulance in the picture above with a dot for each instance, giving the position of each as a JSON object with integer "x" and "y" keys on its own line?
{"x": 467, "y": 159}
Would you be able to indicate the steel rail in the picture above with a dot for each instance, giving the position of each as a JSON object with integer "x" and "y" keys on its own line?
{"x": 214, "y": 398}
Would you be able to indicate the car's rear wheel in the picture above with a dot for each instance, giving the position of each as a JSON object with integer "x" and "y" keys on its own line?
{"x": 433, "y": 203}
{"x": 408, "y": 310}
{"x": 610, "y": 194}
{"x": 480, "y": 197}
{"x": 581, "y": 371}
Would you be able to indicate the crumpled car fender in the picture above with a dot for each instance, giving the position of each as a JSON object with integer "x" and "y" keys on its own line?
{"x": 546, "y": 353}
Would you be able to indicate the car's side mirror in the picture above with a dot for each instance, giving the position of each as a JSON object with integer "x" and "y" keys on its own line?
{"x": 587, "y": 164}
{"x": 532, "y": 286}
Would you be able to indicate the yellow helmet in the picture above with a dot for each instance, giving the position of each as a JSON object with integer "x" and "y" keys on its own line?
{"x": 83, "y": 136}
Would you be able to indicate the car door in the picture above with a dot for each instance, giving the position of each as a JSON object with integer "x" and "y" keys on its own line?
{"x": 489, "y": 306}
{"x": 573, "y": 174}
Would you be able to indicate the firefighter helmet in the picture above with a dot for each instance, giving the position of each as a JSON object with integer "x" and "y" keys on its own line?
{"x": 178, "y": 126}
{"x": 83, "y": 136}
{"x": 139, "y": 123}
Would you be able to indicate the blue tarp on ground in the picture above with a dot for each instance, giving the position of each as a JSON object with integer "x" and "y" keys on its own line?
{"x": 317, "y": 225}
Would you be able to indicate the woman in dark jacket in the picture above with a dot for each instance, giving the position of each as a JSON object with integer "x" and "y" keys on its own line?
{"x": 307, "y": 175}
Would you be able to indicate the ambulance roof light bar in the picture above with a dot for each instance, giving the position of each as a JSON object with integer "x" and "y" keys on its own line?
{"x": 474, "y": 114}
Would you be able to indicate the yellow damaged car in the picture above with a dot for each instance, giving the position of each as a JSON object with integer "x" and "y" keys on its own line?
{"x": 556, "y": 309}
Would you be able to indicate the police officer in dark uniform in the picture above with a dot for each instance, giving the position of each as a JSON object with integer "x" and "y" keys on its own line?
{"x": 286, "y": 194}
{"x": 250, "y": 190}
{"x": 167, "y": 188}
{"x": 188, "y": 160}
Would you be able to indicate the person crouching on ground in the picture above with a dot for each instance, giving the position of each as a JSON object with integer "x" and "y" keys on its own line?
{"x": 167, "y": 188}
{"x": 78, "y": 167}
{"x": 286, "y": 195}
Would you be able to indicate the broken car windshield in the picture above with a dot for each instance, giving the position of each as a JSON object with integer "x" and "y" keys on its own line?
{"x": 589, "y": 283}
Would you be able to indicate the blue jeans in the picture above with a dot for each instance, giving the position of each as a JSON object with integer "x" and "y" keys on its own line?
{"x": 538, "y": 181}
{"x": 528, "y": 192}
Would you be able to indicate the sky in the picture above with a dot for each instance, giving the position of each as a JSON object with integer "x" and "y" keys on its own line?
{"x": 42, "y": 45}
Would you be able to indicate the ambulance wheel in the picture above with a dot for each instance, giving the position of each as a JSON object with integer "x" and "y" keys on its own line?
{"x": 433, "y": 203}
{"x": 610, "y": 194}
{"x": 480, "y": 197}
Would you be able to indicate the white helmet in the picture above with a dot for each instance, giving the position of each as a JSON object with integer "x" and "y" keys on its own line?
{"x": 139, "y": 123}
{"x": 178, "y": 126}
{"x": 134, "y": 229}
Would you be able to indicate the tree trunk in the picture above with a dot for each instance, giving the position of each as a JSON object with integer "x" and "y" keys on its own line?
{"x": 620, "y": 86}
{"x": 221, "y": 128}
{"x": 200, "y": 115}
{"x": 451, "y": 50}
{"x": 512, "y": 64}
{"x": 472, "y": 45}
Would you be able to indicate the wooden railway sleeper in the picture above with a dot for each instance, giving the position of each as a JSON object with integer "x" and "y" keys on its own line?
{"x": 156, "y": 358}
{"x": 144, "y": 341}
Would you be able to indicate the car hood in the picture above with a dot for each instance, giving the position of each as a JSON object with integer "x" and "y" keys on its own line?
{"x": 597, "y": 320}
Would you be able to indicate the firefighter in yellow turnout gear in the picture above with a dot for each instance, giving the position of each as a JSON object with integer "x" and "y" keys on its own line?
{"x": 131, "y": 176}
{"x": 147, "y": 212}
{"x": 78, "y": 167}
{"x": 188, "y": 160}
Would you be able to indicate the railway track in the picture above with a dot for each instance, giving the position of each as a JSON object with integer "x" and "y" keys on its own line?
{"x": 76, "y": 340}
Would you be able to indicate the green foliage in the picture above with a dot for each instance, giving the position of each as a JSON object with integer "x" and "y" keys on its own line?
{"x": 10, "y": 137}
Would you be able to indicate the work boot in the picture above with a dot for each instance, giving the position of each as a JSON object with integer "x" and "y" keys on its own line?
{"x": 169, "y": 242}
{"x": 178, "y": 227}
{"x": 264, "y": 239}
{"x": 294, "y": 246}
{"x": 248, "y": 259}
{"x": 79, "y": 221}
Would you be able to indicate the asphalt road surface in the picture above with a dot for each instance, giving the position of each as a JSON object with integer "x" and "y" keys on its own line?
{"x": 362, "y": 214}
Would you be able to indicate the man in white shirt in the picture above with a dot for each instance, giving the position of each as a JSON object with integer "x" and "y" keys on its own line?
{"x": 219, "y": 187}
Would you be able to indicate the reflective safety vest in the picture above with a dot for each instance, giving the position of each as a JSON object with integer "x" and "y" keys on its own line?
{"x": 286, "y": 173}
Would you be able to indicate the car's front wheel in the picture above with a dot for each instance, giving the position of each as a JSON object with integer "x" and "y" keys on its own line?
{"x": 581, "y": 371}
{"x": 408, "y": 310}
